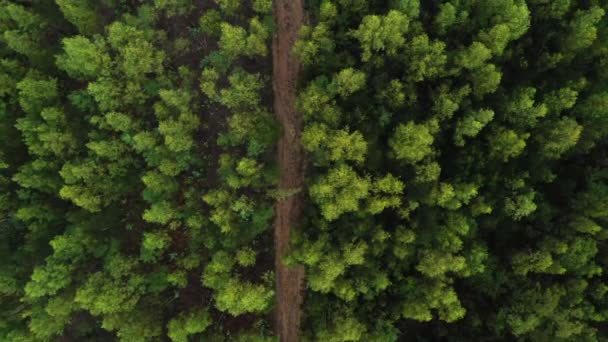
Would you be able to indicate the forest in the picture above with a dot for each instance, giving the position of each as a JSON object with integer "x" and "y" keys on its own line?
{"x": 303, "y": 170}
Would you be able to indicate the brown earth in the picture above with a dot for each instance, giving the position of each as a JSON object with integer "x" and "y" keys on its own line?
{"x": 286, "y": 67}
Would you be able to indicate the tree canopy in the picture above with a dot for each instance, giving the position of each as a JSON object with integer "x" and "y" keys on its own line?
{"x": 456, "y": 181}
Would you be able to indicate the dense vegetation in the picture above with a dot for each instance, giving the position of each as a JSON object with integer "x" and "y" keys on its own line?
{"x": 457, "y": 179}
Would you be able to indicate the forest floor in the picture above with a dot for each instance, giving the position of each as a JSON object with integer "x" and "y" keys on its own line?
{"x": 289, "y": 280}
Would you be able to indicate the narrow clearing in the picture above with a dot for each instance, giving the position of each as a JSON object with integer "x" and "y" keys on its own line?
{"x": 289, "y": 281}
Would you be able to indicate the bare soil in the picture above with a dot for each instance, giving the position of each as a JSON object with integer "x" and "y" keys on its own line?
{"x": 286, "y": 67}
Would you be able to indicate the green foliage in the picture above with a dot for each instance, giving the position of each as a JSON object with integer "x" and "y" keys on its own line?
{"x": 334, "y": 145}
{"x": 153, "y": 245}
{"x": 507, "y": 144}
{"x": 36, "y": 92}
{"x": 210, "y": 22}
{"x": 345, "y": 329}
{"x": 339, "y": 192}
{"x": 234, "y": 295}
{"x": 471, "y": 124}
{"x": 83, "y": 59}
{"x": 562, "y": 136}
{"x": 23, "y": 31}
{"x": 81, "y": 13}
{"x": 137, "y": 55}
{"x": 348, "y": 81}
{"x": 174, "y": 7}
{"x": 111, "y": 147}
{"x": 314, "y": 41}
{"x": 382, "y": 33}
{"x": 455, "y": 180}
{"x": 235, "y": 41}
{"x": 582, "y": 28}
{"x": 426, "y": 58}
{"x": 386, "y": 192}
{"x": 411, "y": 142}
{"x": 187, "y": 324}
{"x": 473, "y": 56}
{"x": 229, "y": 6}
{"x": 490, "y": 112}
{"x": 262, "y": 6}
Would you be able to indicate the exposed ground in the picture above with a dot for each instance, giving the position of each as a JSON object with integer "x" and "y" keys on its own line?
{"x": 289, "y": 280}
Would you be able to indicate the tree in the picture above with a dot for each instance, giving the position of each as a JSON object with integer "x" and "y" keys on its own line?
{"x": 411, "y": 142}
{"x": 340, "y": 191}
{"x": 83, "y": 14}
{"x": 191, "y": 323}
{"x": 83, "y": 59}
{"x": 381, "y": 33}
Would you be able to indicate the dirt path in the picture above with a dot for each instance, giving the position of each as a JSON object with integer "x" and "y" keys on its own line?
{"x": 289, "y": 281}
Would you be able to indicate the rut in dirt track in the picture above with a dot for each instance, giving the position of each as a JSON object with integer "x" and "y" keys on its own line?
{"x": 286, "y": 67}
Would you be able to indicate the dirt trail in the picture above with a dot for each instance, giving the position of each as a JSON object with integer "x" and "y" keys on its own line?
{"x": 289, "y": 281}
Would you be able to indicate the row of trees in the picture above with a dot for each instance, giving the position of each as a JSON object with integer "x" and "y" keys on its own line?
{"x": 137, "y": 192}
{"x": 458, "y": 185}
